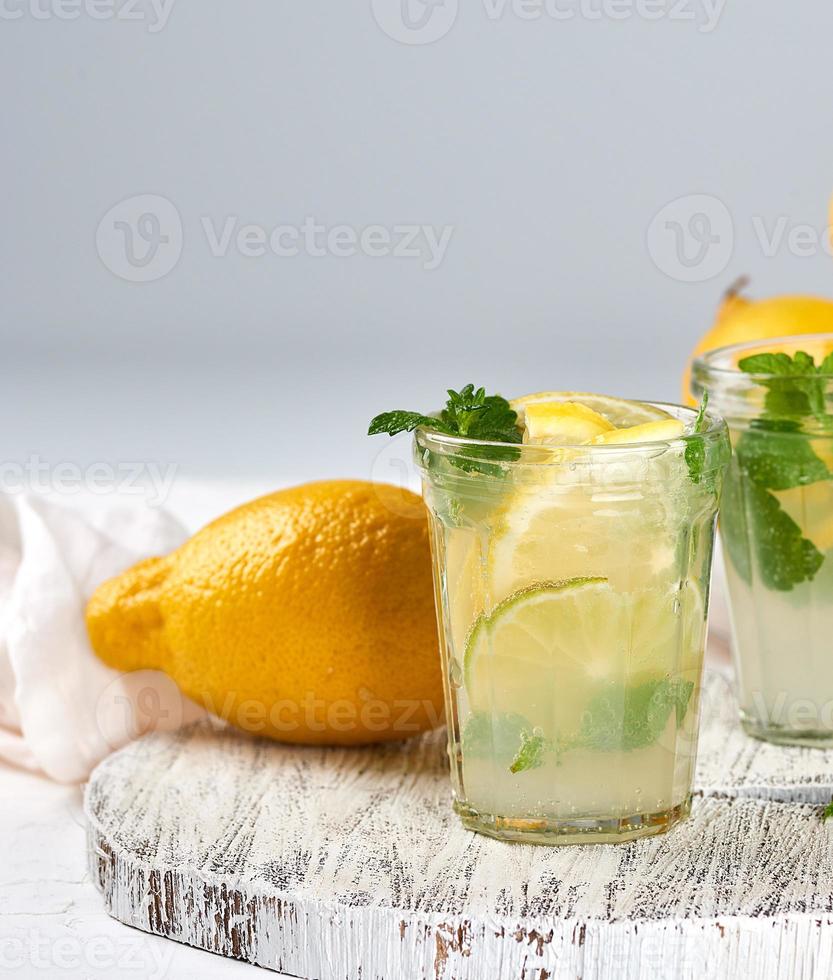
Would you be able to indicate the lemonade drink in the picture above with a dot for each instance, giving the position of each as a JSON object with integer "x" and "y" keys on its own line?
{"x": 777, "y": 530}
{"x": 572, "y": 577}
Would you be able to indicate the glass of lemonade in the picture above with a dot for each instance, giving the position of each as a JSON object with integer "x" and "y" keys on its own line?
{"x": 776, "y": 526}
{"x": 572, "y": 577}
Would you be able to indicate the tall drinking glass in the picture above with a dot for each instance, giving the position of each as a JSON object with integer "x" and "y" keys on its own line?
{"x": 776, "y": 527}
{"x": 572, "y": 592}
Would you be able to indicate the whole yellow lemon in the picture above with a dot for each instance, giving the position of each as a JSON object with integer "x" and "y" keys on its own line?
{"x": 740, "y": 319}
{"x": 306, "y": 616}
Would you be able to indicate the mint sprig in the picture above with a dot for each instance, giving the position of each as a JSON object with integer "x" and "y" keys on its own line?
{"x": 776, "y": 454}
{"x": 634, "y": 717}
{"x": 827, "y": 812}
{"x": 469, "y": 412}
{"x": 395, "y": 422}
{"x": 796, "y": 388}
{"x": 785, "y": 557}
{"x": 695, "y": 450}
{"x": 616, "y": 720}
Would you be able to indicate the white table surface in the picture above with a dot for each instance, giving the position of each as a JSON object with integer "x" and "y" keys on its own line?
{"x": 52, "y": 919}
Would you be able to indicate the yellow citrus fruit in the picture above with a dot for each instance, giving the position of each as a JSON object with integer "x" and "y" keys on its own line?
{"x": 564, "y": 423}
{"x": 665, "y": 430}
{"x": 617, "y": 411}
{"x": 306, "y": 616}
{"x": 740, "y": 319}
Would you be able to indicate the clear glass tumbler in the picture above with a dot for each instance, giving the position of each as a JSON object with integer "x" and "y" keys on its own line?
{"x": 776, "y": 526}
{"x": 572, "y": 593}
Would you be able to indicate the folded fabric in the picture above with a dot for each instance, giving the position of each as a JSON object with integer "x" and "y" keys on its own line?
{"x": 61, "y": 709}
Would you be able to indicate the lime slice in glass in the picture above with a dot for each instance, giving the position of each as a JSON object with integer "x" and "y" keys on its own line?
{"x": 546, "y": 652}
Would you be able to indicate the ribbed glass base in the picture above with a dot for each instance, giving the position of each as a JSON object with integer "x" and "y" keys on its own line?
{"x": 781, "y": 735}
{"x": 576, "y": 830}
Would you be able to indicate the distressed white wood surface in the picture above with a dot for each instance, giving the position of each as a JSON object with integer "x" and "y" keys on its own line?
{"x": 731, "y": 764}
{"x": 343, "y": 864}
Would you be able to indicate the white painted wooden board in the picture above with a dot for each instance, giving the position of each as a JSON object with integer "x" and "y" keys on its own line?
{"x": 730, "y": 764}
{"x": 327, "y": 863}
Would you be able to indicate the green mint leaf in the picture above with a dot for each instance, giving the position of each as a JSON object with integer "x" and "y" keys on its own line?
{"x": 395, "y": 422}
{"x": 496, "y": 422}
{"x": 695, "y": 457}
{"x": 795, "y": 397}
{"x": 804, "y": 363}
{"x": 695, "y": 450}
{"x": 785, "y": 557}
{"x": 529, "y": 755}
{"x": 469, "y": 413}
{"x": 733, "y": 523}
{"x": 701, "y": 413}
{"x": 681, "y": 696}
{"x": 634, "y": 717}
{"x": 754, "y": 525}
{"x": 768, "y": 364}
{"x": 478, "y": 416}
{"x": 463, "y": 408}
{"x": 496, "y": 736}
{"x": 827, "y": 812}
{"x": 795, "y": 390}
{"x": 826, "y": 366}
{"x": 777, "y": 456}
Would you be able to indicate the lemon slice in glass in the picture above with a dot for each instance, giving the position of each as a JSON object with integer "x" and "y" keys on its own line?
{"x": 563, "y": 423}
{"x": 618, "y": 411}
{"x": 627, "y": 533}
{"x": 665, "y": 430}
{"x": 620, "y": 518}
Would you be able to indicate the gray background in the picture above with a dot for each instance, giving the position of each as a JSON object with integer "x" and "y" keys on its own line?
{"x": 549, "y": 145}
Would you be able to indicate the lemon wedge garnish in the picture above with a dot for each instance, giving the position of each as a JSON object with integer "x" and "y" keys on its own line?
{"x": 619, "y": 411}
{"x": 563, "y": 423}
{"x": 663, "y": 431}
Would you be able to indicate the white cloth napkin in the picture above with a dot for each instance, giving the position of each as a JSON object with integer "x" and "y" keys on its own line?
{"x": 61, "y": 709}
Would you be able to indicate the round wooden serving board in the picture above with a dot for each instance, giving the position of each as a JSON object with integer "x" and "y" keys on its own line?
{"x": 350, "y": 865}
